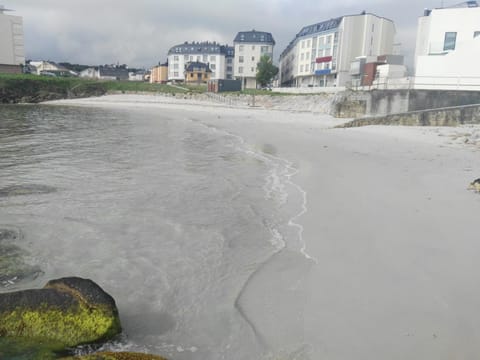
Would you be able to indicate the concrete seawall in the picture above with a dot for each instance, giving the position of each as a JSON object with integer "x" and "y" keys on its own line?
{"x": 449, "y": 116}
{"x": 383, "y": 102}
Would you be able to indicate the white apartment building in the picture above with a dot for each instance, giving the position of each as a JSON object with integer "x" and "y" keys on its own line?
{"x": 321, "y": 54}
{"x": 12, "y": 52}
{"x": 250, "y": 46}
{"x": 218, "y": 57}
{"x": 448, "y": 48}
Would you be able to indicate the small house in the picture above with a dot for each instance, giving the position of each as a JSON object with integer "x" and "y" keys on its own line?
{"x": 197, "y": 73}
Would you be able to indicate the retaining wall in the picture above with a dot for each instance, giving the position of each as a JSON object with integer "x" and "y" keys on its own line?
{"x": 451, "y": 116}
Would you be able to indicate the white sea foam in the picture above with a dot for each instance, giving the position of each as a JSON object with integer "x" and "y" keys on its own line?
{"x": 278, "y": 179}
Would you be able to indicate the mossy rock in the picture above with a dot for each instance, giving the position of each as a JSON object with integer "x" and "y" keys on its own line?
{"x": 116, "y": 356}
{"x": 28, "y": 349}
{"x": 69, "y": 311}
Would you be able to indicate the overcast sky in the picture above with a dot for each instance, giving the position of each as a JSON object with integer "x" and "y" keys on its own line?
{"x": 140, "y": 32}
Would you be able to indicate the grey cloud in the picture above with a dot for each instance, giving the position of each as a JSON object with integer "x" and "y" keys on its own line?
{"x": 140, "y": 32}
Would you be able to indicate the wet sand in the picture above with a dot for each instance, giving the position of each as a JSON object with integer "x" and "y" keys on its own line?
{"x": 390, "y": 227}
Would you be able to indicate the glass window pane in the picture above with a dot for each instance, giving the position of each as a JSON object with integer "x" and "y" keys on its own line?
{"x": 450, "y": 39}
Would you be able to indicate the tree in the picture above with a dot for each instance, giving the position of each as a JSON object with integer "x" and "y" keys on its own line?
{"x": 266, "y": 71}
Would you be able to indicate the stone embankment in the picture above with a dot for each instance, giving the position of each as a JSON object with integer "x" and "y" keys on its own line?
{"x": 14, "y": 91}
{"x": 451, "y": 116}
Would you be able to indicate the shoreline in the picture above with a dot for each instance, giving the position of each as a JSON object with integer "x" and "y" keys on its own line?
{"x": 391, "y": 223}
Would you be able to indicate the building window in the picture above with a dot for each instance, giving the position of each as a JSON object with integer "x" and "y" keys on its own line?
{"x": 229, "y": 69}
{"x": 175, "y": 66}
{"x": 307, "y": 56}
{"x": 205, "y": 58}
{"x": 240, "y": 47}
{"x": 175, "y": 58}
{"x": 175, "y": 73}
{"x": 264, "y": 49}
{"x": 240, "y": 59}
{"x": 240, "y": 69}
{"x": 212, "y": 58}
{"x": 185, "y": 58}
{"x": 301, "y": 68}
{"x": 212, "y": 66}
{"x": 229, "y": 61}
{"x": 253, "y": 47}
{"x": 252, "y": 69}
{"x": 308, "y": 43}
{"x": 191, "y": 57}
{"x": 307, "y": 68}
{"x": 450, "y": 40}
{"x": 302, "y": 56}
{"x": 475, "y": 34}
{"x": 253, "y": 58}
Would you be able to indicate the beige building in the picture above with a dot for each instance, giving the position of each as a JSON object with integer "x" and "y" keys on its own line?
{"x": 12, "y": 53}
{"x": 197, "y": 73}
{"x": 159, "y": 74}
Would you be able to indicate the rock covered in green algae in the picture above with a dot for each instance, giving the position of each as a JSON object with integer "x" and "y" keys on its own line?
{"x": 117, "y": 356}
{"x": 28, "y": 349}
{"x": 69, "y": 311}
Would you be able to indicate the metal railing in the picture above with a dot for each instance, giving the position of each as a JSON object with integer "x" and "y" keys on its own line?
{"x": 227, "y": 100}
{"x": 467, "y": 83}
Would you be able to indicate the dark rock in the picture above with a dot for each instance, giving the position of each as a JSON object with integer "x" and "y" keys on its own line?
{"x": 69, "y": 311}
{"x": 28, "y": 349}
{"x": 116, "y": 356}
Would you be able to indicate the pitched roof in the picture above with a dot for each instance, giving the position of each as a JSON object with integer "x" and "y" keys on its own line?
{"x": 320, "y": 27}
{"x": 254, "y": 37}
{"x": 119, "y": 73}
{"x": 196, "y": 66}
{"x": 205, "y": 47}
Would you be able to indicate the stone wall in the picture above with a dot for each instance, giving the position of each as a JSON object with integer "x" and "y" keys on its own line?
{"x": 10, "y": 69}
{"x": 452, "y": 116}
{"x": 385, "y": 102}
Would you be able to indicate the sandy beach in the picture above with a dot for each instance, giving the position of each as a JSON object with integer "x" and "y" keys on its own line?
{"x": 389, "y": 232}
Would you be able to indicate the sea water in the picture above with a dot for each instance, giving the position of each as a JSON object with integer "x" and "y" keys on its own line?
{"x": 193, "y": 232}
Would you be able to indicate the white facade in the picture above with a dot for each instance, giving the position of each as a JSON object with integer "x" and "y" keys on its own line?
{"x": 12, "y": 50}
{"x": 389, "y": 71}
{"x": 218, "y": 57}
{"x": 250, "y": 46}
{"x": 247, "y": 56}
{"x": 448, "y": 48}
{"x": 90, "y": 73}
{"x": 321, "y": 54}
{"x": 45, "y": 66}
